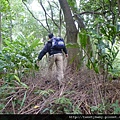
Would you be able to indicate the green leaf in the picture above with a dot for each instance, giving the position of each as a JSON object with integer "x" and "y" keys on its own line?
{"x": 94, "y": 108}
{"x": 24, "y": 85}
{"x": 96, "y": 69}
{"x": 72, "y": 45}
{"x": 83, "y": 39}
{"x": 17, "y": 78}
{"x": 34, "y": 44}
{"x": 73, "y": 4}
{"x": 23, "y": 100}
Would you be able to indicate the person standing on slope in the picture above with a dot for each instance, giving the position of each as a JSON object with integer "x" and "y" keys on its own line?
{"x": 56, "y": 55}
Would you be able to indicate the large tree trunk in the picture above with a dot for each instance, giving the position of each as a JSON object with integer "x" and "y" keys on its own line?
{"x": 71, "y": 32}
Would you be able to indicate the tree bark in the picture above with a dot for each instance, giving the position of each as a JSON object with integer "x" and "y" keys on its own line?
{"x": 71, "y": 32}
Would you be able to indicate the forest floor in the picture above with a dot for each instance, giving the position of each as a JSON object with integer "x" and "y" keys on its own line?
{"x": 83, "y": 92}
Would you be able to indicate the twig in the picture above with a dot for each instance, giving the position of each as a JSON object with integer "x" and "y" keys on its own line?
{"x": 13, "y": 106}
{"x": 31, "y": 90}
{"x": 45, "y": 15}
{"x": 35, "y": 17}
{"x": 34, "y": 99}
{"x": 48, "y": 101}
{"x": 8, "y": 103}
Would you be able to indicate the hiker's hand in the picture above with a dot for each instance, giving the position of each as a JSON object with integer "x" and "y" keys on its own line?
{"x": 37, "y": 62}
{"x": 66, "y": 55}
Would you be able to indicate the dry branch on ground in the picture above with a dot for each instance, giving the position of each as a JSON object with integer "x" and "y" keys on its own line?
{"x": 83, "y": 89}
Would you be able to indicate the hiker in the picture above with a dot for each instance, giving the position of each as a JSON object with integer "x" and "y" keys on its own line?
{"x": 56, "y": 56}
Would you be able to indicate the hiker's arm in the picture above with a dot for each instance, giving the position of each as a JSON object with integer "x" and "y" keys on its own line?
{"x": 42, "y": 53}
{"x": 65, "y": 51}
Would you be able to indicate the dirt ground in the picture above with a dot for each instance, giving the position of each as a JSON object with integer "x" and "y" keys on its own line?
{"x": 82, "y": 90}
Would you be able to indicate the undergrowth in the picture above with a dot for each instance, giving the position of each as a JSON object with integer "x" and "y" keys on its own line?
{"x": 37, "y": 97}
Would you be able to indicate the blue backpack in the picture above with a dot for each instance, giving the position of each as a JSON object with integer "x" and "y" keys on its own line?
{"x": 57, "y": 43}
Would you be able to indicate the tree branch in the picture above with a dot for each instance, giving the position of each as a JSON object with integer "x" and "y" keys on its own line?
{"x": 34, "y": 16}
{"x": 45, "y": 15}
{"x": 93, "y": 12}
{"x": 79, "y": 21}
{"x": 51, "y": 17}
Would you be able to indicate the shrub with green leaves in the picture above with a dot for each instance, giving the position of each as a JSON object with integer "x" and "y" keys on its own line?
{"x": 19, "y": 56}
{"x": 105, "y": 47}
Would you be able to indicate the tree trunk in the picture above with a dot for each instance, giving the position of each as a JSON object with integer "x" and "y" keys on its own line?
{"x": 81, "y": 26}
{"x": 71, "y": 32}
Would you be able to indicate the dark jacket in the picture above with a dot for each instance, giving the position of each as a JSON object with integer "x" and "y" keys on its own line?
{"x": 47, "y": 49}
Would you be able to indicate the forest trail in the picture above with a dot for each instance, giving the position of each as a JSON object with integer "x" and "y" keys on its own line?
{"x": 82, "y": 90}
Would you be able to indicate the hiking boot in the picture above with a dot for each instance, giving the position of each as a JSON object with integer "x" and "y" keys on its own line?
{"x": 47, "y": 82}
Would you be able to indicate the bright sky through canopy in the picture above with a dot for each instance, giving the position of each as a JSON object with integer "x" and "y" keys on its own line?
{"x": 35, "y": 6}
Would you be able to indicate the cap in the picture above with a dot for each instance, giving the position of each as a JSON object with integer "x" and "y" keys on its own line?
{"x": 50, "y": 35}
